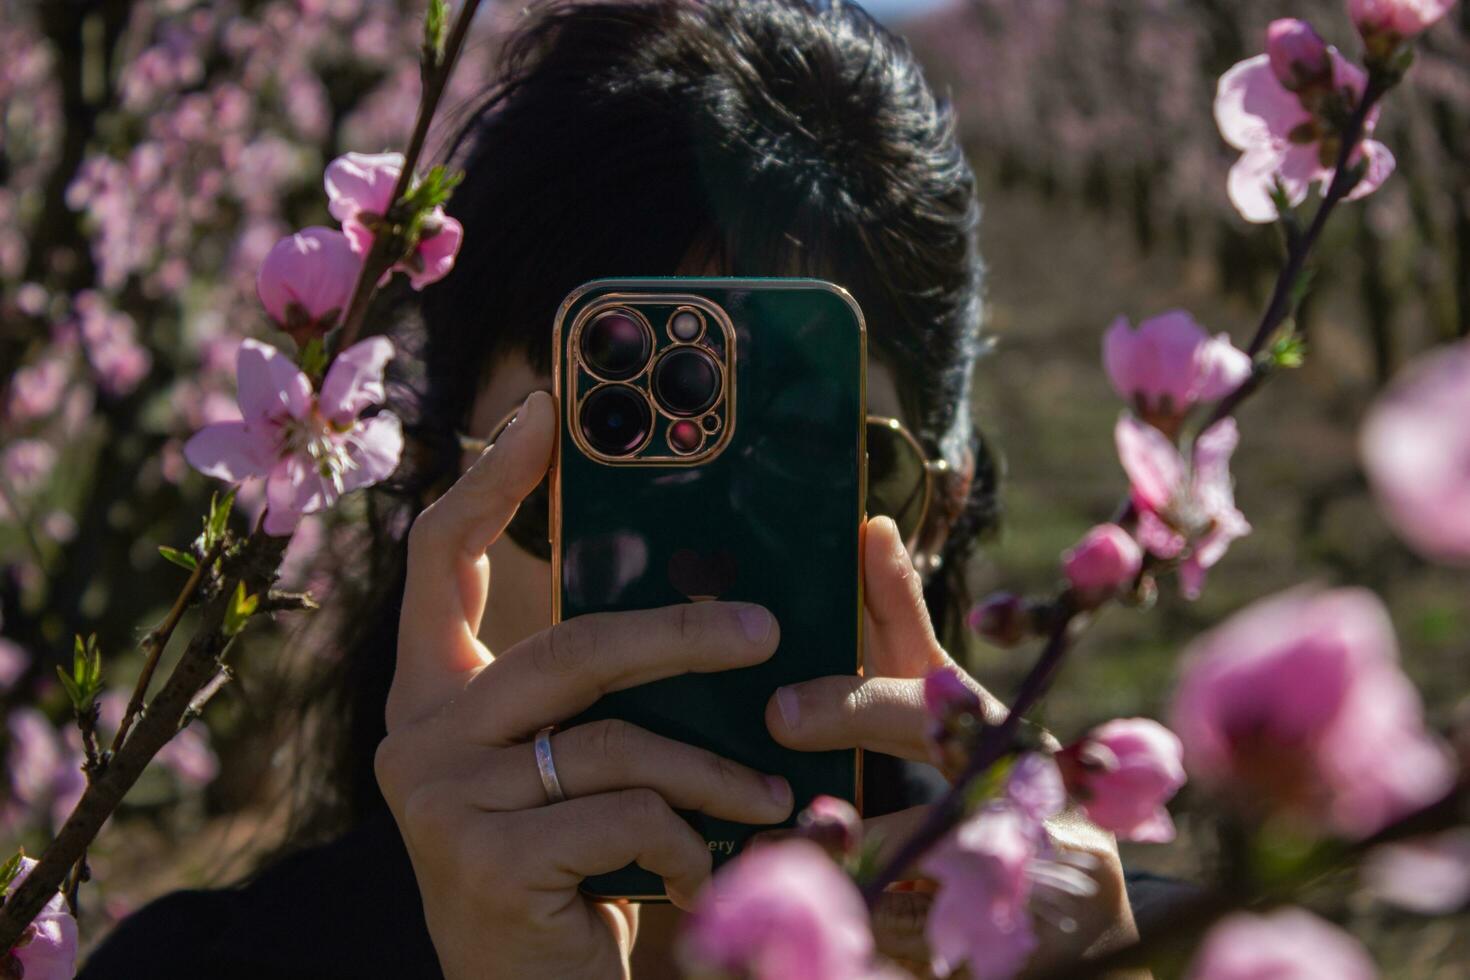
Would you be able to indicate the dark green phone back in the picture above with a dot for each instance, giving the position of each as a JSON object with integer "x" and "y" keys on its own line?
{"x": 773, "y": 519}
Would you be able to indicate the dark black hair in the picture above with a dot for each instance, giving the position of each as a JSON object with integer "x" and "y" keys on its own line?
{"x": 767, "y": 136}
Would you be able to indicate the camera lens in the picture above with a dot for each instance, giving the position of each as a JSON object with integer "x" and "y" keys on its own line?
{"x": 686, "y": 381}
{"x": 616, "y": 345}
{"x": 616, "y": 419}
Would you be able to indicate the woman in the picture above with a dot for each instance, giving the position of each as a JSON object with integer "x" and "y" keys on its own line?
{"x": 648, "y": 138}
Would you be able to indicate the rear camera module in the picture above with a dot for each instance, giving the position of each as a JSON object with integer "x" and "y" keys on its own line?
{"x": 686, "y": 381}
{"x": 616, "y": 419}
{"x": 616, "y": 345}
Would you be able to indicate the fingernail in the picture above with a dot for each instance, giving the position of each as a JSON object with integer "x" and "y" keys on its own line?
{"x": 779, "y": 789}
{"x": 755, "y": 623}
{"x": 789, "y": 705}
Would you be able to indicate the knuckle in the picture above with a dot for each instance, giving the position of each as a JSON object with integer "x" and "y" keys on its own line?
{"x": 566, "y": 648}
{"x": 689, "y": 623}
{"x": 613, "y": 738}
{"x": 645, "y": 807}
{"x": 430, "y": 814}
{"x": 425, "y": 531}
{"x": 388, "y": 765}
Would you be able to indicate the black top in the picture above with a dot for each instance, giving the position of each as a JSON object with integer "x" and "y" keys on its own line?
{"x": 350, "y": 909}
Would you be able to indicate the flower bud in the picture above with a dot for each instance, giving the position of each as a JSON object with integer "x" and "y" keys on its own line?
{"x": 1298, "y": 55}
{"x": 833, "y": 824}
{"x": 306, "y": 281}
{"x": 955, "y": 717}
{"x": 1003, "y": 618}
{"x": 1123, "y": 773}
{"x": 1398, "y": 20}
{"x": 1104, "y": 561}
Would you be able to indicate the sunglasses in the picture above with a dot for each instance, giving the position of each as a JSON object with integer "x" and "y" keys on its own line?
{"x": 902, "y": 480}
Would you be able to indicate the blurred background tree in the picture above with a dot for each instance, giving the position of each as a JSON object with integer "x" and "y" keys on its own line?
{"x": 152, "y": 152}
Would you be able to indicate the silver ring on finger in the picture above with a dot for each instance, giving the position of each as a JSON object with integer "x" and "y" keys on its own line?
{"x": 546, "y": 766}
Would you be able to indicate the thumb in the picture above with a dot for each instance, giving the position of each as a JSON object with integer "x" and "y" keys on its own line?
{"x": 900, "y": 639}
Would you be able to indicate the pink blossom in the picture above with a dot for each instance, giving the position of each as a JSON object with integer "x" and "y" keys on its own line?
{"x": 1035, "y": 787}
{"x": 1399, "y": 19}
{"x": 48, "y": 947}
{"x": 36, "y": 390}
{"x": 13, "y": 663}
{"x": 946, "y": 695}
{"x": 1429, "y": 875}
{"x": 307, "y": 280}
{"x": 110, "y": 339}
{"x": 1104, "y": 561}
{"x": 187, "y": 755}
{"x": 979, "y": 916}
{"x": 781, "y": 910}
{"x": 27, "y": 463}
{"x": 1123, "y": 772}
{"x": 310, "y": 448}
{"x": 360, "y": 191}
{"x": 1297, "y": 54}
{"x": 1002, "y": 618}
{"x": 1415, "y": 446}
{"x": 1184, "y": 509}
{"x": 45, "y": 773}
{"x": 1297, "y": 704}
{"x": 1280, "y": 138}
{"x": 1291, "y": 944}
{"x": 832, "y": 823}
{"x": 1169, "y": 364}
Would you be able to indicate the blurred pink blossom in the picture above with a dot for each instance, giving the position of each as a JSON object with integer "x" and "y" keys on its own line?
{"x": 48, "y": 947}
{"x": 1184, "y": 509}
{"x": 110, "y": 339}
{"x": 1402, "y": 19}
{"x": 1291, "y": 944}
{"x": 46, "y": 777}
{"x": 1297, "y": 54}
{"x": 781, "y": 910}
{"x": 360, "y": 191}
{"x": 187, "y": 755}
{"x": 1122, "y": 773}
{"x": 36, "y": 390}
{"x": 1415, "y": 446}
{"x": 27, "y": 463}
{"x": 1104, "y": 561}
{"x": 1169, "y": 364}
{"x": 1001, "y": 618}
{"x": 1297, "y": 704}
{"x": 307, "y": 280}
{"x": 1035, "y": 786}
{"x": 1281, "y": 139}
{"x": 1428, "y": 875}
{"x": 979, "y": 917}
{"x": 13, "y": 663}
{"x": 833, "y": 824}
{"x": 952, "y": 707}
{"x": 310, "y": 448}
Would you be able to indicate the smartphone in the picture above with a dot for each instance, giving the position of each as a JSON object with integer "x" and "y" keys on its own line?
{"x": 711, "y": 446}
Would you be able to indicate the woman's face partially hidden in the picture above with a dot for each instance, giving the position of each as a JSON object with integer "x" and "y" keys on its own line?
{"x": 520, "y": 590}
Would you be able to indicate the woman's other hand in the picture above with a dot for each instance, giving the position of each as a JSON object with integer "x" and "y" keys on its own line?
{"x": 498, "y": 865}
{"x": 883, "y": 711}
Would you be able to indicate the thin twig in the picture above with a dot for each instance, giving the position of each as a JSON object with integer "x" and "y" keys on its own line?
{"x": 379, "y": 257}
{"x": 157, "y": 641}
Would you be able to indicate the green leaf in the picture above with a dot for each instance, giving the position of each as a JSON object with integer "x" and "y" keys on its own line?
{"x": 10, "y": 869}
{"x": 436, "y": 32}
{"x": 84, "y": 682}
{"x": 180, "y": 558}
{"x": 218, "y": 519}
{"x": 241, "y": 608}
{"x": 989, "y": 784}
{"x": 1289, "y": 350}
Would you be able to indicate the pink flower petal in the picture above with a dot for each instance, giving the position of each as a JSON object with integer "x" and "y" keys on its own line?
{"x": 1154, "y": 467}
{"x": 374, "y": 449}
{"x": 1428, "y": 875}
{"x": 355, "y": 380}
{"x": 316, "y": 269}
{"x": 1290, "y": 944}
{"x": 232, "y": 451}
{"x": 361, "y": 182}
{"x": 1252, "y": 109}
{"x": 292, "y": 489}
{"x": 1250, "y": 181}
{"x": 270, "y": 385}
{"x": 1381, "y": 165}
{"x": 436, "y": 254}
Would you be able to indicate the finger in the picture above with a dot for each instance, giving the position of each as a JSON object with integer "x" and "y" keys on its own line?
{"x": 878, "y": 714}
{"x": 891, "y": 831}
{"x": 593, "y": 835}
{"x": 898, "y": 926}
{"x": 556, "y": 673}
{"x": 448, "y": 573}
{"x": 900, "y": 639}
{"x": 604, "y": 756}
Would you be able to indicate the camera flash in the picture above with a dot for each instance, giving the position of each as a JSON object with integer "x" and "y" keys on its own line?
{"x": 685, "y": 326}
{"x": 684, "y": 436}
